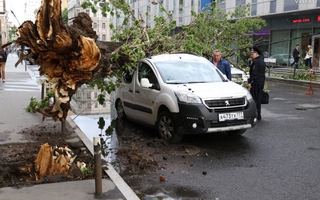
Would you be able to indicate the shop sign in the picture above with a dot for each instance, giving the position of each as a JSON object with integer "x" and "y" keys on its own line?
{"x": 302, "y": 20}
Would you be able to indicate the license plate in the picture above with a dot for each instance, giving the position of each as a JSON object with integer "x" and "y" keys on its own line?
{"x": 230, "y": 116}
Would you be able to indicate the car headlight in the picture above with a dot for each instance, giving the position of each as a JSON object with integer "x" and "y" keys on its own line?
{"x": 187, "y": 97}
{"x": 248, "y": 96}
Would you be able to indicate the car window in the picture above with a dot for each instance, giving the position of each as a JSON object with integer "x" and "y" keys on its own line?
{"x": 179, "y": 71}
{"x": 145, "y": 71}
{"x": 127, "y": 76}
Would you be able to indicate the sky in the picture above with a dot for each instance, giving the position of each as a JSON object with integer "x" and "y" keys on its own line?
{"x": 17, "y": 7}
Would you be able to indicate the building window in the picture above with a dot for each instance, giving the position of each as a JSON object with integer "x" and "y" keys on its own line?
{"x": 180, "y": 2}
{"x": 88, "y": 104}
{"x": 221, "y": 4}
{"x": 273, "y": 6}
{"x": 94, "y": 14}
{"x": 95, "y": 95}
{"x": 88, "y": 12}
{"x": 96, "y": 104}
{"x": 254, "y": 8}
{"x": 104, "y": 104}
{"x": 240, "y": 2}
{"x": 2, "y": 10}
{"x": 290, "y": 5}
{"x": 95, "y": 25}
{"x": 318, "y": 3}
{"x": 103, "y": 25}
{"x": 104, "y": 37}
{"x": 88, "y": 95}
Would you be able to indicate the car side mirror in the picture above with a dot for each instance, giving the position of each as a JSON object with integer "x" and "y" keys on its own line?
{"x": 145, "y": 83}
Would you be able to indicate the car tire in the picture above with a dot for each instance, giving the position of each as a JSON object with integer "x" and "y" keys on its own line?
{"x": 236, "y": 132}
{"x": 120, "y": 110}
{"x": 166, "y": 128}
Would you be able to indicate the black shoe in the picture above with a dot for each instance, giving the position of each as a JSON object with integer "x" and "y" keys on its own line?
{"x": 259, "y": 117}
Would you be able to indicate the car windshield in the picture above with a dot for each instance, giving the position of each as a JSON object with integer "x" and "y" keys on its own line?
{"x": 179, "y": 71}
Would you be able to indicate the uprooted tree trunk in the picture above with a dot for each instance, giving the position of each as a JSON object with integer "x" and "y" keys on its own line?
{"x": 67, "y": 55}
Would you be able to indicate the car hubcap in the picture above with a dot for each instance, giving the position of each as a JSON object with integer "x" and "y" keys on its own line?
{"x": 166, "y": 127}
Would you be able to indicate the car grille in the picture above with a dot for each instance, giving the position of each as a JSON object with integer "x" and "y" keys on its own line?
{"x": 236, "y": 76}
{"x": 225, "y": 103}
{"x": 214, "y": 124}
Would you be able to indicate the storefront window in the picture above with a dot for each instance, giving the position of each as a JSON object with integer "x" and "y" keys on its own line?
{"x": 302, "y": 37}
{"x": 280, "y": 42}
{"x": 279, "y": 47}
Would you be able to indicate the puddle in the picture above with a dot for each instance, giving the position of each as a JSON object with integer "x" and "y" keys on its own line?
{"x": 89, "y": 126}
{"x": 172, "y": 193}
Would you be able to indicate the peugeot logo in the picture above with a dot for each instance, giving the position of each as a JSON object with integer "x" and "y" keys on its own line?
{"x": 227, "y": 103}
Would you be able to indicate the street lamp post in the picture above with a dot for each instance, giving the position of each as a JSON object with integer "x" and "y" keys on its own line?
{"x": 15, "y": 17}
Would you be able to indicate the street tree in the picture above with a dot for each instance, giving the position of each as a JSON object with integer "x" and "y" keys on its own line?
{"x": 65, "y": 15}
{"x": 70, "y": 56}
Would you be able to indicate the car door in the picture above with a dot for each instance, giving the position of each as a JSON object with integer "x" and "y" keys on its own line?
{"x": 127, "y": 88}
{"x": 145, "y": 98}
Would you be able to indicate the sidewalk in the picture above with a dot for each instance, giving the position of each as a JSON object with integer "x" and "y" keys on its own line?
{"x": 15, "y": 95}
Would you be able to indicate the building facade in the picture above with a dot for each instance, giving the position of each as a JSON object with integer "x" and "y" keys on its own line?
{"x": 100, "y": 23}
{"x": 4, "y": 23}
{"x": 85, "y": 101}
{"x": 289, "y": 22}
{"x": 31, "y": 8}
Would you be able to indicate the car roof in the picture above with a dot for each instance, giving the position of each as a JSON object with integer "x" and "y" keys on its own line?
{"x": 175, "y": 56}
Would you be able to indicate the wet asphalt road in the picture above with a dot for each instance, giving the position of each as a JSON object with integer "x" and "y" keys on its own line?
{"x": 277, "y": 159}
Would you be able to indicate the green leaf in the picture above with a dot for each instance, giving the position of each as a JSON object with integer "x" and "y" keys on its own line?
{"x": 101, "y": 123}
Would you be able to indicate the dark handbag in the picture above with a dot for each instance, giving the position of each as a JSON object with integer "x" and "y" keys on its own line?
{"x": 265, "y": 98}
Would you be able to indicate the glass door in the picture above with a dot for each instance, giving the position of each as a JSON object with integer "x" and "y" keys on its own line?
{"x": 316, "y": 50}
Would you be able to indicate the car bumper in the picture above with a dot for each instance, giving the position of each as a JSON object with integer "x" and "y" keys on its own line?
{"x": 198, "y": 119}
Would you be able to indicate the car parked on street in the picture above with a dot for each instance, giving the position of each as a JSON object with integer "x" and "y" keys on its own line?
{"x": 183, "y": 93}
{"x": 238, "y": 76}
{"x": 283, "y": 59}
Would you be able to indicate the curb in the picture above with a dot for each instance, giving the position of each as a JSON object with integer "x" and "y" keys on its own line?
{"x": 110, "y": 171}
{"x": 291, "y": 81}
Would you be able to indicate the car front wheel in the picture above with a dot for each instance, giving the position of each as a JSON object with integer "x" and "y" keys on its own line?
{"x": 166, "y": 128}
{"x": 120, "y": 110}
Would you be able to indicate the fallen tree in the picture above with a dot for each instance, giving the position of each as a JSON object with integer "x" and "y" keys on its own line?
{"x": 69, "y": 56}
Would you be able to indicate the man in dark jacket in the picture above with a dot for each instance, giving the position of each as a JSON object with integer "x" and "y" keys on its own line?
{"x": 3, "y": 60}
{"x": 222, "y": 64}
{"x": 257, "y": 78}
{"x": 296, "y": 55}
